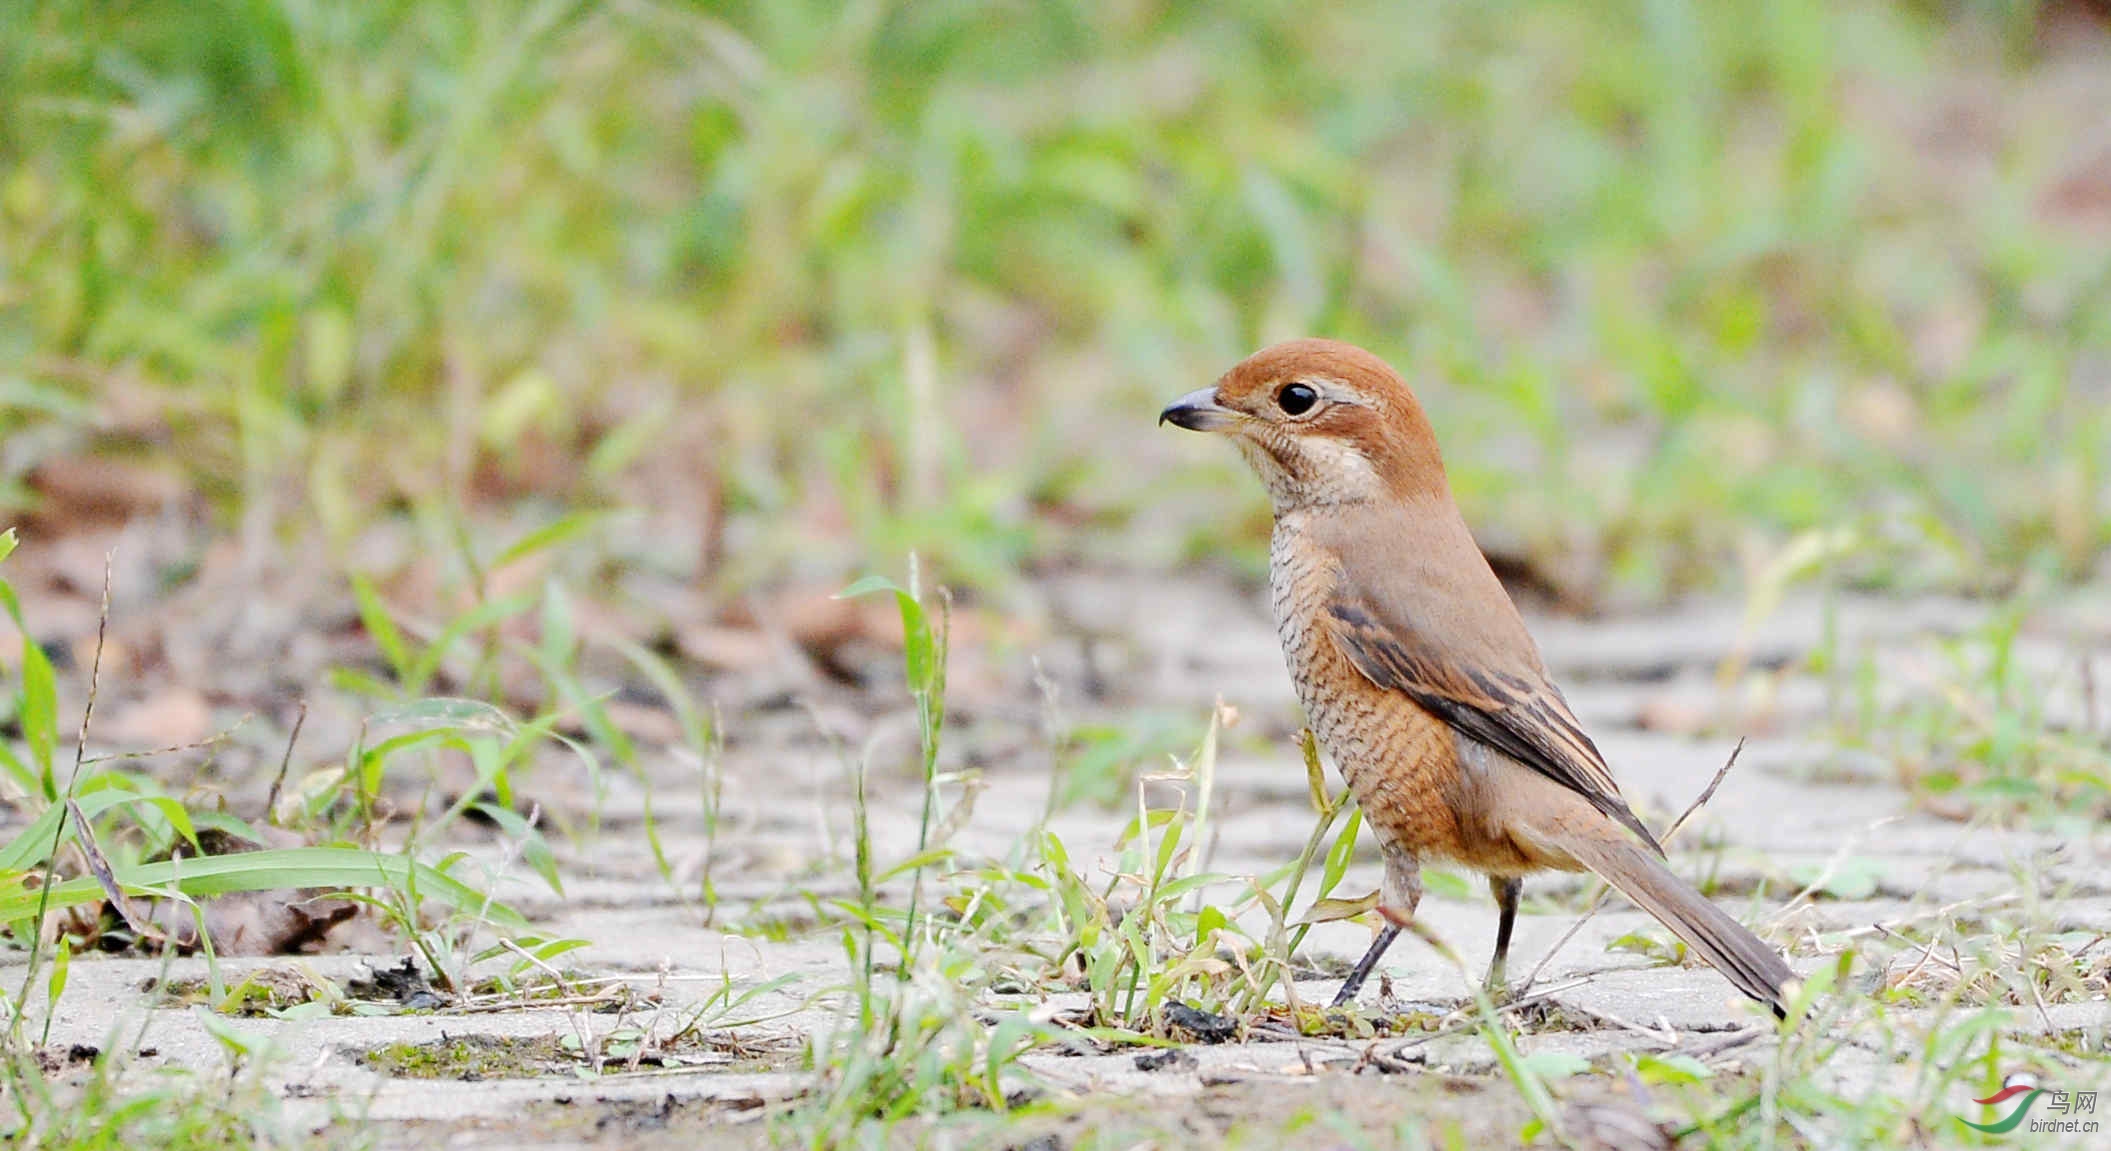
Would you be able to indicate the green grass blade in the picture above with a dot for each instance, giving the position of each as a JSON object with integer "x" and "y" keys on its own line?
{"x": 287, "y": 869}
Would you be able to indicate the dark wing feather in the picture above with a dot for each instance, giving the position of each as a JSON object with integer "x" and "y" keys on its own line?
{"x": 1515, "y": 710}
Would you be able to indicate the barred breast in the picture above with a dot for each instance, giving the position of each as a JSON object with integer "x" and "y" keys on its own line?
{"x": 1397, "y": 759}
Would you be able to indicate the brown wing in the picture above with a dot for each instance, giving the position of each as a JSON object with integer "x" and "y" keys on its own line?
{"x": 1468, "y": 660}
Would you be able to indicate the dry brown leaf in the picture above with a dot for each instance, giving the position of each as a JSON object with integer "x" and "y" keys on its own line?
{"x": 256, "y": 922}
{"x": 83, "y": 491}
{"x": 729, "y": 649}
{"x": 171, "y": 717}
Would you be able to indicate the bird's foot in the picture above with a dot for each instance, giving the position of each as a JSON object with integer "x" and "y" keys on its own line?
{"x": 1497, "y": 985}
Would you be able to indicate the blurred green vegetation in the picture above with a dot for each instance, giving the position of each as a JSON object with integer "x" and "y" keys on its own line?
{"x": 1678, "y": 280}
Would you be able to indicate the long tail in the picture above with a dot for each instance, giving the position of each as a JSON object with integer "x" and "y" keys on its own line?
{"x": 1753, "y": 967}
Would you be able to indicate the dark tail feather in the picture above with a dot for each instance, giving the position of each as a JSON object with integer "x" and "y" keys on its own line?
{"x": 1753, "y": 967}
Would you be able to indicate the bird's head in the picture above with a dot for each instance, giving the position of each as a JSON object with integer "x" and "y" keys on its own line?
{"x": 1322, "y": 423}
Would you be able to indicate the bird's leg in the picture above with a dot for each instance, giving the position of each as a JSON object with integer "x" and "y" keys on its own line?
{"x": 1364, "y": 966}
{"x": 1506, "y": 888}
{"x": 1402, "y": 893}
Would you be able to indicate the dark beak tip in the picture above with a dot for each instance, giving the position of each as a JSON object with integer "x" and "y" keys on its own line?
{"x": 1189, "y": 414}
{"x": 1197, "y": 411}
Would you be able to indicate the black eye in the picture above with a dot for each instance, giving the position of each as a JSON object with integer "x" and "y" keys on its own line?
{"x": 1296, "y": 399}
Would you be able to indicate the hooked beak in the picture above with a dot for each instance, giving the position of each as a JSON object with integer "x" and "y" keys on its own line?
{"x": 1198, "y": 411}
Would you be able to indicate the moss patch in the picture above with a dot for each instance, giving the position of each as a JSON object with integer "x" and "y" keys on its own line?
{"x": 470, "y": 1058}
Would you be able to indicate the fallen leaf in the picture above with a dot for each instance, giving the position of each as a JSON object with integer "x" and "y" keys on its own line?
{"x": 171, "y": 717}
{"x": 1334, "y": 910}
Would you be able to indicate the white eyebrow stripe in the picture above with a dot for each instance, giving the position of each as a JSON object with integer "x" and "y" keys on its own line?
{"x": 1333, "y": 390}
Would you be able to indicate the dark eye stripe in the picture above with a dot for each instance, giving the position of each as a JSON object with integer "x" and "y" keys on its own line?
{"x": 1296, "y": 399}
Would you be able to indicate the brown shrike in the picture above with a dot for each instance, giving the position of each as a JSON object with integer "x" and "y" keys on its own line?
{"x": 1415, "y": 670}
